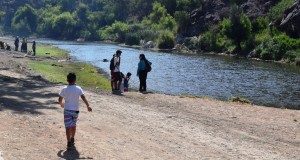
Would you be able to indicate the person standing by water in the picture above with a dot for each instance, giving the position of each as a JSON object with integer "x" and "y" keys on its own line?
{"x": 33, "y": 47}
{"x": 24, "y": 45}
{"x": 116, "y": 74}
{"x": 143, "y": 68}
{"x": 17, "y": 43}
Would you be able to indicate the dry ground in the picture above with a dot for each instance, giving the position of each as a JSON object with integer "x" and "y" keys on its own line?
{"x": 136, "y": 126}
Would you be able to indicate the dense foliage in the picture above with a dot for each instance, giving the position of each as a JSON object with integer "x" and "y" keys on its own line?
{"x": 237, "y": 27}
{"x": 160, "y": 21}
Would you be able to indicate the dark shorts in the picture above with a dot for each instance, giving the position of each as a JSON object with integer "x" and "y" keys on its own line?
{"x": 116, "y": 76}
{"x": 70, "y": 118}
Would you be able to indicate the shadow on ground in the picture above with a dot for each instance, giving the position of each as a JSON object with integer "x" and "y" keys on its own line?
{"x": 25, "y": 95}
{"x": 71, "y": 154}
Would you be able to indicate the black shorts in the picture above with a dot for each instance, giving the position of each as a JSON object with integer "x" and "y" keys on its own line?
{"x": 116, "y": 76}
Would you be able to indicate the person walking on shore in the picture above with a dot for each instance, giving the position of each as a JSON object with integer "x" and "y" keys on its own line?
{"x": 71, "y": 94}
{"x": 144, "y": 66}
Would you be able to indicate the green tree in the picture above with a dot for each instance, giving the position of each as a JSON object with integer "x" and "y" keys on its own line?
{"x": 159, "y": 19}
{"x": 46, "y": 18}
{"x": 166, "y": 40}
{"x": 116, "y": 32}
{"x": 237, "y": 27}
{"x": 64, "y": 26}
{"x": 182, "y": 18}
{"x": 25, "y": 20}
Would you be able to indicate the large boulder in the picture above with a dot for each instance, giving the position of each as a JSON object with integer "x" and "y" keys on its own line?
{"x": 291, "y": 22}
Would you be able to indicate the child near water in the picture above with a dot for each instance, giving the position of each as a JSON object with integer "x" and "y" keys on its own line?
{"x": 71, "y": 94}
{"x": 126, "y": 80}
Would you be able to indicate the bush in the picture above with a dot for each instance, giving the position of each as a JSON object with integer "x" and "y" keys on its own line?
{"x": 240, "y": 100}
{"x": 284, "y": 43}
{"x": 258, "y": 52}
{"x": 166, "y": 40}
{"x": 194, "y": 43}
{"x": 290, "y": 56}
{"x": 259, "y": 24}
{"x": 208, "y": 41}
{"x": 132, "y": 39}
{"x": 266, "y": 55}
{"x": 214, "y": 41}
{"x": 237, "y": 27}
{"x": 148, "y": 35}
{"x": 277, "y": 12}
{"x": 297, "y": 61}
{"x": 115, "y": 32}
{"x": 278, "y": 47}
{"x": 263, "y": 36}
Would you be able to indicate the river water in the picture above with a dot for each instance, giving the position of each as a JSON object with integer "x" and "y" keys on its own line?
{"x": 219, "y": 77}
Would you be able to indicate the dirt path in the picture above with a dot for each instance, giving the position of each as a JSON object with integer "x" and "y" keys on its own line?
{"x": 136, "y": 126}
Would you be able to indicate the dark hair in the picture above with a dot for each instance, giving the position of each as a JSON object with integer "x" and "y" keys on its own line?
{"x": 118, "y": 51}
{"x": 142, "y": 57}
{"x": 128, "y": 74}
{"x": 71, "y": 78}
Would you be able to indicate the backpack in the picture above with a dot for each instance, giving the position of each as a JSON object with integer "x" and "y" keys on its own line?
{"x": 148, "y": 66}
{"x": 112, "y": 65}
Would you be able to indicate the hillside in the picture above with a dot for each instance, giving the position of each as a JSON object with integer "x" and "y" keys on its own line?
{"x": 203, "y": 15}
{"x": 184, "y": 26}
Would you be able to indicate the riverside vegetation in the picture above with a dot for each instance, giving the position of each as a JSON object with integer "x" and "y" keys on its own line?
{"x": 167, "y": 23}
{"x": 56, "y": 71}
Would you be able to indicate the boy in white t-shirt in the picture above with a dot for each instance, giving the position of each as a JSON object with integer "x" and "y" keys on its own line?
{"x": 71, "y": 94}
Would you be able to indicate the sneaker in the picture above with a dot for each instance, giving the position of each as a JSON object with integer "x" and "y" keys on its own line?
{"x": 69, "y": 145}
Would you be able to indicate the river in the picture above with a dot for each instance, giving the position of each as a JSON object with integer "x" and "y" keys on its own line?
{"x": 219, "y": 77}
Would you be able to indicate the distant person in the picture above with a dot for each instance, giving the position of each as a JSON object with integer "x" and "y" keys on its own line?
{"x": 7, "y": 47}
{"x": 126, "y": 82}
{"x": 71, "y": 94}
{"x": 112, "y": 68}
{"x": 116, "y": 72}
{"x": 2, "y": 45}
{"x": 144, "y": 66}
{"x": 24, "y": 45}
{"x": 33, "y": 47}
{"x": 17, "y": 43}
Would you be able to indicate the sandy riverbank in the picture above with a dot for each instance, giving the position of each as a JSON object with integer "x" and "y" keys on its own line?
{"x": 136, "y": 126}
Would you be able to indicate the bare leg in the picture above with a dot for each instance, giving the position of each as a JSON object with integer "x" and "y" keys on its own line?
{"x": 116, "y": 85}
{"x": 73, "y": 131}
{"x": 68, "y": 134}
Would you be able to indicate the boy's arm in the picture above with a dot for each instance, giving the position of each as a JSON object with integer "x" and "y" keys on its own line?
{"x": 62, "y": 105}
{"x": 86, "y": 103}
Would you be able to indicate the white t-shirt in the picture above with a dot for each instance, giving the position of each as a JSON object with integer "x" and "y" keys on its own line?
{"x": 71, "y": 94}
{"x": 117, "y": 67}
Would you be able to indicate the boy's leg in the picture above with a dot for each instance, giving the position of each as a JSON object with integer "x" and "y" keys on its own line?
{"x": 73, "y": 131}
{"x": 68, "y": 134}
{"x": 70, "y": 118}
